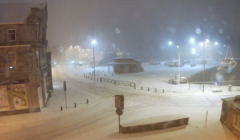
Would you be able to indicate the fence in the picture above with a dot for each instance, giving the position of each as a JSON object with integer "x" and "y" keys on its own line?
{"x": 112, "y": 81}
{"x": 215, "y": 83}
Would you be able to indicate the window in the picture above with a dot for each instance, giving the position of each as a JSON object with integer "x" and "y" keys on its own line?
{"x": 37, "y": 60}
{"x": 11, "y": 35}
{"x": 11, "y": 61}
{"x": 11, "y": 56}
{"x": 37, "y": 28}
{"x": 43, "y": 54}
{"x": 236, "y": 123}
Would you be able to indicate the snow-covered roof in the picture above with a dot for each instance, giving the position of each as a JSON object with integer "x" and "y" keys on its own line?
{"x": 121, "y": 63}
{"x": 17, "y": 12}
{"x": 123, "y": 58}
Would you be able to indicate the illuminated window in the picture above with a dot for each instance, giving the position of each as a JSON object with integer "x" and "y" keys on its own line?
{"x": 12, "y": 68}
{"x": 11, "y": 56}
{"x": 236, "y": 123}
{"x": 11, "y": 35}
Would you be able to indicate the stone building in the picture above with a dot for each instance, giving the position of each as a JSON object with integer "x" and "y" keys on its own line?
{"x": 25, "y": 64}
{"x": 126, "y": 65}
{"x": 230, "y": 115}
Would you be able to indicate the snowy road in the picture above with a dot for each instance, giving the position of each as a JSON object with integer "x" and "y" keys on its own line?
{"x": 97, "y": 120}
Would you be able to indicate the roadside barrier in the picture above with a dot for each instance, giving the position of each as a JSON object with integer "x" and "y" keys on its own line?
{"x": 117, "y": 82}
{"x": 123, "y": 83}
{"x": 214, "y": 83}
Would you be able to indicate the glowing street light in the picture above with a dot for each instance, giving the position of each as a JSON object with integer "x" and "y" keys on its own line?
{"x": 94, "y": 42}
{"x": 192, "y": 40}
{"x": 169, "y": 43}
{"x": 216, "y": 43}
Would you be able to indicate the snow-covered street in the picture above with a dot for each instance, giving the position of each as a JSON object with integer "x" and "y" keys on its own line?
{"x": 98, "y": 120}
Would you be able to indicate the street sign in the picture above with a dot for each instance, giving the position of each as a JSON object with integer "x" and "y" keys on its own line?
{"x": 119, "y": 101}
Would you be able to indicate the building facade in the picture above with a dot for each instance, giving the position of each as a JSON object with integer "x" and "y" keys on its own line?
{"x": 126, "y": 65}
{"x": 230, "y": 115}
{"x": 25, "y": 64}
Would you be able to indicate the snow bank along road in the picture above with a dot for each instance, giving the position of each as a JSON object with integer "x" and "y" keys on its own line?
{"x": 99, "y": 121}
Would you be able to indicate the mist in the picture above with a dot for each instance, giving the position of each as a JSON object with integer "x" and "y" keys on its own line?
{"x": 142, "y": 28}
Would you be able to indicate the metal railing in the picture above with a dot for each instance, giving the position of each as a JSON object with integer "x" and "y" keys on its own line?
{"x": 216, "y": 83}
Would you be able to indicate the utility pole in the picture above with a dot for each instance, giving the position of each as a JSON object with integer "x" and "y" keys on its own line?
{"x": 204, "y": 66}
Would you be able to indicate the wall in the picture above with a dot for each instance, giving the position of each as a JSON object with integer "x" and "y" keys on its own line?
{"x": 227, "y": 117}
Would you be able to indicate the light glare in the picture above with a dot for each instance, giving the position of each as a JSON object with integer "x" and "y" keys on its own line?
{"x": 94, "y": 42}
{"x": 192, "y": 40}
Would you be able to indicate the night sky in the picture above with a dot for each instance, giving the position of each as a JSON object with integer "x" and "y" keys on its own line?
{"x": 143, "y": 28}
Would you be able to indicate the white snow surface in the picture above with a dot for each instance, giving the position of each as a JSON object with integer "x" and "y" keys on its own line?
{"x": 98, "y": 120}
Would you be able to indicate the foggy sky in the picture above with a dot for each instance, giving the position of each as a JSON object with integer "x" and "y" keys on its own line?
{"x": 142, "y": 25}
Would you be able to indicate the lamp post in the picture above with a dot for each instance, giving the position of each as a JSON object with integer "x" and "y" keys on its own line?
{"x": 178, "y": 64}
{"x": 204, "y": 64}
{"x": 93, "y": 42}
{"x": 193, "y": 51}
{"x": 216, "y": 54}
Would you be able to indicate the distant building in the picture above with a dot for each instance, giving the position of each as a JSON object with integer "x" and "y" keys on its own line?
{"x": 230, "y": 115}
{"x": 126, "y": 65}
{"x": 25, "y": 64}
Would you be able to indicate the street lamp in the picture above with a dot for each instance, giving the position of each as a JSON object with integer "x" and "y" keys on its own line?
{"x": 178, "y": 64}
{"x": 204, "y": 61}
{"x": 192, "y": 40}
{"x": 94, "y": 42}
{"x": 193, "y": 51}
{"x": 169, "y": 43}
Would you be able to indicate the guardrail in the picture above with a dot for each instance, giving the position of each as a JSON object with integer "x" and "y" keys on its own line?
{"x": 122, "y": 83}
{"x": 216, "y": 83}
{"x": 117, "y": 82}
{"x": 111, "y": 81}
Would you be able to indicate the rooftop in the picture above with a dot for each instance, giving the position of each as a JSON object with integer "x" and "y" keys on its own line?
{"x": 232, "y": 102}
{"x": 124, "y": 57}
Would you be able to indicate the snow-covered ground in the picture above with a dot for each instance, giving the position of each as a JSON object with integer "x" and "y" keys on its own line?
{"x": 98, "y": 120}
